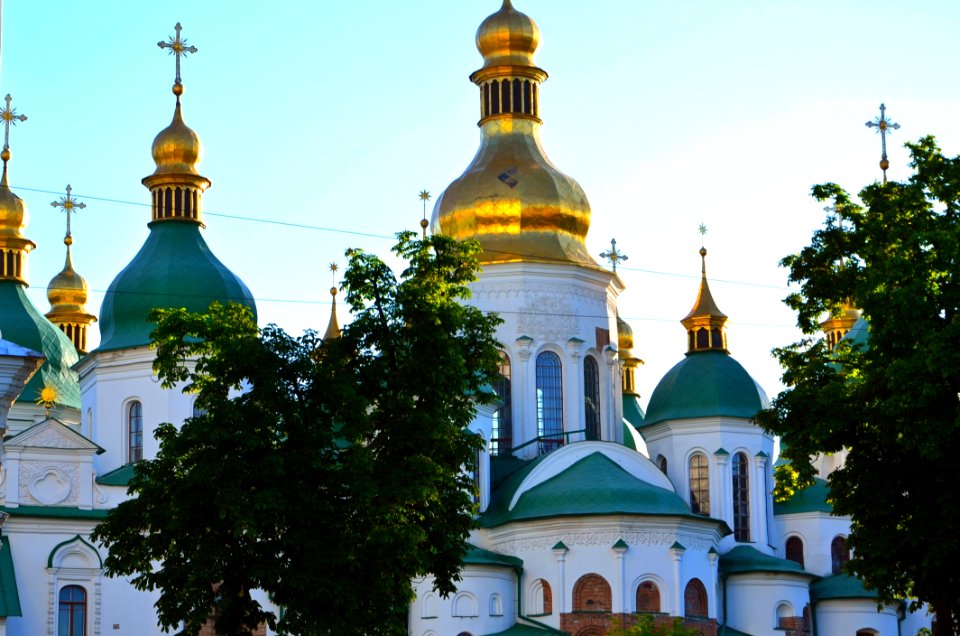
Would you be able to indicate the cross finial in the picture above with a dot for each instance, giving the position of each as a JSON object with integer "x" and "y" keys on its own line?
{"x": 10, "y": 118}
{"x": 703, "y": 232}
{"x": 614, "y": 255}
{"x": 69, "y": 205}
{"x": 424, "y": 196}
{"x": 882, "y": 124}
{"x": 178, "y": 47}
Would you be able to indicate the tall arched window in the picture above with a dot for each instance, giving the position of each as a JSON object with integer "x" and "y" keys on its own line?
{"x": 591, "y": 397}
{"x": 501, "y": 441}
{"x": 72, "y": 619}
{"x": 695, "y": 599}
{"x": 648, "y": 597}
{"x": 839, "y": 554}
{"x": 549, "y": 401}
{"x": 135, "y": 431}
{"x": 699, "y": 484}
{"x": 541, "y": 598}
{"x": 795, "y": 550}
{"x": 741, "y": 497}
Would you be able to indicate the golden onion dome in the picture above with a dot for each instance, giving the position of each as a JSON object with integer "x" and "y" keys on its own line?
{"x": 507, "y": 37}
{"x": 177, "y": 148}
{"x": 624, "y": 336}
{"x": 13, "y": 212}
{"x": 67, "y": 291}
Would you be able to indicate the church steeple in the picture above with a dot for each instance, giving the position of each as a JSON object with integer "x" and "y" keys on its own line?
{"x": 14, "y": 246}
{"x": 176, "y": 186}
{"x": 705, "y": 324}
{"x": 333, "y": 327}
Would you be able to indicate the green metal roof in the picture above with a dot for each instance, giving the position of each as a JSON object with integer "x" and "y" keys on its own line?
{"x": 744, "y": 558}
{"x": 55, "y": 512}
{"x": 117, "y": 477}
{"x": 706, "y": 384}
{"x": 840, "y": 586}
{"x": 594, "y": 485}
{"x": 632, "y": 412}
{"x": 525, "y": 630}
{"x": 174, "y": 268}
{"x": 729, "y": 631}
{"x": 22, "y": 324}
{"x": 479, "y": 556}
{"x": 9, "y": 596}
{"x": 859, "y": 333}
{"x": 810, "y": 499}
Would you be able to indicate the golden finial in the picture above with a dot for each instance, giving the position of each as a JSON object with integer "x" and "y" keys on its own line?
{"x": 178, "y": 47}
{"x": 333, "y": 327}
{"x": 10, "y": 118}
{"x": 424, "y": 196}
{"x": 69, "y": 205}
{"x": 882, "y": 124}
{"x": 333, "y": 278}
{"x": 47, "y": 398}
{"x": 614, "y": 255}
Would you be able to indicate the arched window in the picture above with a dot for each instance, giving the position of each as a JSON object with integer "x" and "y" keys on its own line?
{"x": 867, "y": 632}
{"x": 505, "y": 96}
{"x": 741, "y": 498}
{"x": 134, "y": 431}
{"x": 591, "y": 397}
{"x": 501, "y": 441}
{"x": 648, "y": 597}
{"x": 591, "y": 593}
{"x": 541, "y": 598}
{"x": 703, "y": 339}
{"x": 695, "y": 600}
{"x": 839, "y": 554}
{"x": 72, "y": 618}
{"x": 785, "y": 617}
{"x": 699, "y": 484}
{"x": 549, "y": 401}
{"x": 496, "y": 605}
{"x": 795, "y": 550}
{"x": 662, "y": 464}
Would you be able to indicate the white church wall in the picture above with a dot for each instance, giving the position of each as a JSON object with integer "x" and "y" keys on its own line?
{"x": 817, "y": 530}
{"x": 847, "y": 616}
{"x": 756, "y": 601}
{"x": 485, "y": 602}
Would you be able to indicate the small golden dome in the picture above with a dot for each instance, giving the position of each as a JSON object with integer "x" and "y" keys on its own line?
{"x": 67, "y": 291}
{"x": 177, "y": 149}
{"x": 624, "y": 336}
{"x": 508, "y": 38}
{"x": 13, "y": 212}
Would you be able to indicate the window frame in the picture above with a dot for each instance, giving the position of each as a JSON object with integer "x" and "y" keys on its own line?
{"x": 134, "y": 427}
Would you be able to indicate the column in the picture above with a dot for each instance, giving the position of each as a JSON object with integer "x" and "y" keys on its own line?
{"x": 560, "y": 596}
{"x": 760, "y": 463}
{"x": 676, "y": 552}
{"x": 620, "y": 606}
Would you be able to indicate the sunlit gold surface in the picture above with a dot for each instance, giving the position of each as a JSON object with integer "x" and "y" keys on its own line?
{"x": 177, "y": 149}
{"x": 705, "y": 313}
{"x": 624, "y": 336}
{"x": 508, "y": 37}
{"x": 67, "y": 291}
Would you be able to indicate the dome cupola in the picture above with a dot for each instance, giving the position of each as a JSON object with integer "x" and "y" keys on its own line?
{"x": 706, "y": 325}
{"x": 511, "y": 198}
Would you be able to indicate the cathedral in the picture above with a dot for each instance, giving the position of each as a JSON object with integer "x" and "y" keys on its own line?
{"x": 592, "y": 509}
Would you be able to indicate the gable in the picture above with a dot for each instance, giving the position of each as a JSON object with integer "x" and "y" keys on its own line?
{"x": 51, "y": 434}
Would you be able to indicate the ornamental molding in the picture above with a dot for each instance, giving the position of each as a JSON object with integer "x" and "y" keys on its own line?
{"x": 49, "y": 484}
{"x": 523, "y": 290}
{"x": 50, "y": 438}
{"x": 605, "y": 539}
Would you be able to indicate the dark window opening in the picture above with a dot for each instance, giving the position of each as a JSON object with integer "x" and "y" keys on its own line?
{"x": 591, "y": 397}
{"x": 501, "y": 441}
{"x": 549, "y": 401}
{"x": 741, "y": 498}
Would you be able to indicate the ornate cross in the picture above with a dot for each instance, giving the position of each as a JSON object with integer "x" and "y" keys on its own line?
{"x": 703, "y": 232}
{"x": 614, "y": 255}
{"x": 424, "y": 196}
{"x": 882, "y": 124}
{"x": 178, "y": 48}
{"x": 69, "y": 204}
{"x": 10, "y": 118}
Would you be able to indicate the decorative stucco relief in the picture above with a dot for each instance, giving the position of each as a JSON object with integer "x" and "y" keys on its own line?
{"x": 48, "y": 484}
{"x": 574, "y": 539}
{"x": 51, "y": 438}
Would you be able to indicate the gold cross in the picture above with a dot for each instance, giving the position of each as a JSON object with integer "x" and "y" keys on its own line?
{"x": 424, "y": 196}
{"x": 882, "y": 124}
{"x": 10, "y": 118}
{"x": 614, "y": 255}
{"x": 69, "y": 204}
{"x": 178, "y": 47}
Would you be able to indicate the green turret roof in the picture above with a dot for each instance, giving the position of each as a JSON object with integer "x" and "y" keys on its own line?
{"x": 705, "y": 384}
{"x": 840, "y": 586}
{"x": 22, "y": 324}
{"x": 479, "y": 556}
{"x": 174, "y": 268}
{"x": 810, "y": 499}
{"x": 744, "y": 558}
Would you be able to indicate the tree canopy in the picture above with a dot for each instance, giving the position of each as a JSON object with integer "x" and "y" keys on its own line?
{"x": 326, "y": 473}
{"x": 893, "y": 401}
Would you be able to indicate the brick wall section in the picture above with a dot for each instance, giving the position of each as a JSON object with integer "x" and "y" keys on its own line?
{"x": 794, "y": 626}
{"x": 592, "y": 593}
{"x": 648, "y": 597}
{"x": 547, "y": 598}
{"x": 588, "y": 624}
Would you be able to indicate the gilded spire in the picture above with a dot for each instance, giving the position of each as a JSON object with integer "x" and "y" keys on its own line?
{"x": 333, "y": 327}
{"x": 625, "y": 354}
{"x": 424, "y": 223}
{"x": 67, "y": 291}
{"x": 176, "y": 186}
{"x": 705, "y": 324}
{"x": 13, "y": 212}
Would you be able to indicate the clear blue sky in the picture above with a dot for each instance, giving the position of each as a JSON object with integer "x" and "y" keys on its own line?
{"x": 336, "y": 114}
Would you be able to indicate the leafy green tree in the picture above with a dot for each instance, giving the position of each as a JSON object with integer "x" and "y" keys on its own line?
{"x": 647, "y": 625}
{"x": 894, "y": 401}
{"x": 325, "y": 473}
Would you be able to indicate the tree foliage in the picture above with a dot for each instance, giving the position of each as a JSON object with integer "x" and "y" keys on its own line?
{"x": 893, "y": 402}
{"x": 325, "y": 473}
{"x": 648, "y": 625}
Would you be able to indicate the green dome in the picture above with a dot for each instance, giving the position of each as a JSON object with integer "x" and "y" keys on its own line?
{"x": 174, "y": 268}
{"x": 21, "y": 323}
{"x": 745, "y": 559}
{"x": 840, "y": 586}
{"x": 705, "y": 384}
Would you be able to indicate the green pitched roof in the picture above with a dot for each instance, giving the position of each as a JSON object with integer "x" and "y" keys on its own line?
{"x": 706, "y": 384}
{"x": 525, "y": 630}
{"x": 632, "y": 412}
{"x": 22, "y": 324}
{"x": 810, "y": 499}
{"x": 744, "y": 558}
{"x": 840, "y": 586}
{"x": 55, "y": 512}
{"x": 117, "y": 477}
{"x": 9, "y": 596}
{"x": 174, "y": 268}
{"x": 594, "y": 485}
{"x": 479, "y": 556}
{"x": 729, "y": 631}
